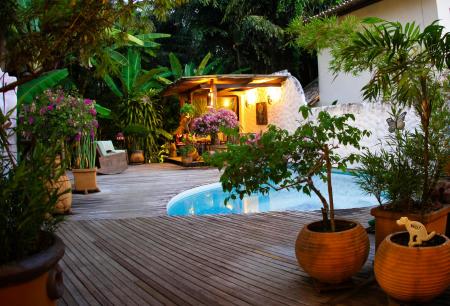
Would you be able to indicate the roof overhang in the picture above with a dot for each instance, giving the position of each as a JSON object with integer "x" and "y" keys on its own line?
{"x": 344, "y": 8}
{"x": 224, "y": 82}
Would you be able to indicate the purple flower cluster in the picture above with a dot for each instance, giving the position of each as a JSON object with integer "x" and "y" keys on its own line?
{"x": 214, "y": 120}
{"x": 56, "y": 113}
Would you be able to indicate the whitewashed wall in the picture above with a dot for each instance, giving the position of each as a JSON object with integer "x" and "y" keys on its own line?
{"x": 283, "y": 113}
{"x": 368, "y": 116}
{"x": 346, "y": 88}
{"x": 8, "y": 101}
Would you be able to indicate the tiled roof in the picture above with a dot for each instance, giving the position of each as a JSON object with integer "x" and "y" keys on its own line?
{"x": 345, "y": 7}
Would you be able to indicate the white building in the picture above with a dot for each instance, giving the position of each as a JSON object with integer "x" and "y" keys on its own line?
{"x": 346, "y": 88}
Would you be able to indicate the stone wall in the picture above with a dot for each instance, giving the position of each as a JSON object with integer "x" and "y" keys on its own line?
{"x": 371, "y": 117}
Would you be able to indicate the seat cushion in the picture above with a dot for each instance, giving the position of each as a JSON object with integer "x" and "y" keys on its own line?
{"x": 106, "y": 147}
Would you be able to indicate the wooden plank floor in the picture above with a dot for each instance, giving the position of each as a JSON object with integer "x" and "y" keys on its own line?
{"x": 140, "y": 191}
{"x": 115, "y": 258}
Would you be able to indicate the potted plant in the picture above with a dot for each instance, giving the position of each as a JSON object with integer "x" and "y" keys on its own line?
{"x": 413, "y": 266}
{"x": 214, "y": 122}
{"x": 84, "y": 169}
{"x": 330, "y": 250}
{"x": 187, "y": 153}
{"x": 30, "y": 251}
{"x": 409, "y": 68}
{"x": 135, "y": 133}
{"x": 51, "y": 118}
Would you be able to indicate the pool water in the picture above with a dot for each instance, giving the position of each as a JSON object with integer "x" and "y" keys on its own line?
{"x": 209, "y": 199}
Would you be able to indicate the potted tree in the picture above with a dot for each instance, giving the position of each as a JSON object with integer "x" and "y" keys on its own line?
{"x": 135, "y": 133}
{"x": 276, "y": 160}
{"x": 409, "y": 68}
{"x": 30, "y": 251}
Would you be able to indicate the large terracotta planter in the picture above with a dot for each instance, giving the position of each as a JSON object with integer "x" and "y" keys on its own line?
{"x": 385, "y": 221}
{"x": 137, "y": 157}
{"x": 63, "y": 187}
{"x": 85, "y": 180}
{"x": 34, "y": 281}
{"x": 332, "y": 257}
{"x": 412, "y": 274}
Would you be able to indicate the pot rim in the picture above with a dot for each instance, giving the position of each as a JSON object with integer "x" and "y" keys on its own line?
{"x": 84, "y": 170}
{"x": 388, "y": 239}
{"x": 32, "y": 266}
{"x": 378, "y": 212}
{"x": 306, "y": 227}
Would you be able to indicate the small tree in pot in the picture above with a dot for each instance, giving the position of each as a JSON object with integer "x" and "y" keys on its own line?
{"x": 29, "y": 271}
{"x": 278, "y": 160}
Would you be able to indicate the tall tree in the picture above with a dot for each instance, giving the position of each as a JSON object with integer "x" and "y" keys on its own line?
{"x": 40, "y": 36}
{"x": 242, "y": 34}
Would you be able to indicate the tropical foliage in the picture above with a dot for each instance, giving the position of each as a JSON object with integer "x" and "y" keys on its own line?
{"x": 26, "y": 202}
{"x": 41, "y": 36}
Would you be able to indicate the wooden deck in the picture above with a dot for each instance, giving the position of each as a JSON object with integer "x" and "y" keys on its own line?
{"x": 196, "y": 260}
{"x": 140, "y": 191}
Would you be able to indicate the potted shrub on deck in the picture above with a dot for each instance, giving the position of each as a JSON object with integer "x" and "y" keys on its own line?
{"x": 409, "y": 68}
{"x": 50, "y": 118}
{"x": 29, "y": 270}
{"x": 135, "y": 133}
{"x": 331, "y": 250}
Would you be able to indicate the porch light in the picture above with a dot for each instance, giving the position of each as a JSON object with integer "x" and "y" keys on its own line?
{"x": 273, "y": 94}
{"x": 250, "y": 97}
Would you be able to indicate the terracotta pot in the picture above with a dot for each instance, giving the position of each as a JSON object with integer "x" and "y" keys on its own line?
{"x": 194, "y": 154}
{"x": 332, "y": 257}
{"x": 385, "y": 221}
{"x": 85, "y": 180}
{"x": 63, "y": 187}
{"x": 34, "y": 281}
{"x": 416, "y": 274}
{"x": 137, "y": 157}
{"x": 186, "y": 160}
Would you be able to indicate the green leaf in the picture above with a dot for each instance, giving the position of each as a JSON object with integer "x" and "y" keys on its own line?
{"x": 151, "y": 36}
{"x": 175, "y": 65}
{"x": 28, "y": 91}
{"x": 372, "y": 20}
{"x": 203, "y": 63}
{"x": 102, "y": 111}
{"x": 112, "y": 85}
{"x": 130, "y": 71}
{"x": 118, "y": 57}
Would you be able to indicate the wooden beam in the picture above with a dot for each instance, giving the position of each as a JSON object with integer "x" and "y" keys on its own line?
{"x": 243, "y": 86}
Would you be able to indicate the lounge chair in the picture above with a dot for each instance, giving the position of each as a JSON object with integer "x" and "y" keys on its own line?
{"x": 111, "y": 161}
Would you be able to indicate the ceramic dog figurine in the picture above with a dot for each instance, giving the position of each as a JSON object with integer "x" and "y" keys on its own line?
{"x": 417, "y": 231}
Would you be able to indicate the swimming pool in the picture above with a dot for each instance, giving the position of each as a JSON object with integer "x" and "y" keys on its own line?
{"x": 209, "y": 199}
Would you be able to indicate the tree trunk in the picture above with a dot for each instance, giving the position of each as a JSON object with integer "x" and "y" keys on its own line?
{"x": 330, "y": 188}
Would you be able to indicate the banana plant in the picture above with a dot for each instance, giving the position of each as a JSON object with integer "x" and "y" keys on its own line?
{"x": 133, "y": 79}
{"x": 177, "y": 70}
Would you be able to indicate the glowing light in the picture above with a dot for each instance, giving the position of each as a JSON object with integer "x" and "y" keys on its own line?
{"x": 251, "y": 97}
{"x": 273, "y": 94}
{"x": 226, "y": 102}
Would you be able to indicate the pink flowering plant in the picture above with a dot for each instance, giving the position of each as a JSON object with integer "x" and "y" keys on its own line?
{"x": 215, "y": 121}
{"x": 57, "y": 116}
